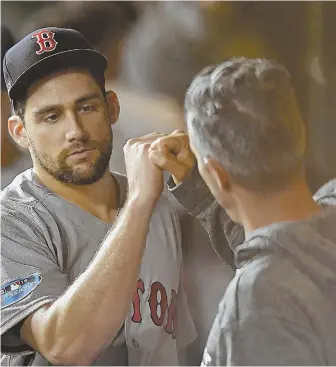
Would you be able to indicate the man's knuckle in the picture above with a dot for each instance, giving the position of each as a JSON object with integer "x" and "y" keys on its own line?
{"x": 146, "y": 145}
{"x": 130, "y": 142}
{"x": 178, "y": 132}
{"x": 160, "y": 142}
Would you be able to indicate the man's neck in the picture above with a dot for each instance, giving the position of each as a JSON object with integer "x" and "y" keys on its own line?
{"x": 294, "y": 203}
{"x": 99, "y": 199}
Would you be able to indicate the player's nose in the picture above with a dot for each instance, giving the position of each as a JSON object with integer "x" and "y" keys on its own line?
{"x": 75, "y": 129}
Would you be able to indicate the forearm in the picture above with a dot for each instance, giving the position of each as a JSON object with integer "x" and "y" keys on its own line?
{"x": 196, "y": 198}
{"x": 77, "y": 326}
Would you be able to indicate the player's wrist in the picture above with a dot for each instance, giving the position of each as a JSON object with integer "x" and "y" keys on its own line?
{"x": 144, "y": 203}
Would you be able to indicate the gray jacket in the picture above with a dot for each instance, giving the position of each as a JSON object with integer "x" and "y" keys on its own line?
{"x": 279, "y": 307}
{"x": 225, "y": 235}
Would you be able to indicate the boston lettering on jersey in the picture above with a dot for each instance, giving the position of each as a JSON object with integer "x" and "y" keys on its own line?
{"x": 158, "y": 305}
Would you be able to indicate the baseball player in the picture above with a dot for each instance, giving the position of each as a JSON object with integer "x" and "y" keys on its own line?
{"x": 248, "y": 138}
{"x": 91, "y": 260}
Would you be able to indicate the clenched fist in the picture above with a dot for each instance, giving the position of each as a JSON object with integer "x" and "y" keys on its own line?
{"x": 172, "y": 153}
{"x": 145, "y": 179}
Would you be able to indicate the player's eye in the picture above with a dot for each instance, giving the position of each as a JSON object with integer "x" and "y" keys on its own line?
{"x": 87, "y": 108}
{"x": 51, "y": 118}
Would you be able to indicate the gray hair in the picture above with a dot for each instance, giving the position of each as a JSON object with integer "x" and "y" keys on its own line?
{"x": 244, "y": 114}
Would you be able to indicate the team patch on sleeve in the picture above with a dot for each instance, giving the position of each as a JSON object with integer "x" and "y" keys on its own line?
{"x": 17, "y": 289}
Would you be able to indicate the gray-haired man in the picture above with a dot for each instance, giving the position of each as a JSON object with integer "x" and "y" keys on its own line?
{"x": 247, "y": 135}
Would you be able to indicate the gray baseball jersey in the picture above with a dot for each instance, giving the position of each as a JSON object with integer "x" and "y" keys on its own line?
{"x": 279, "y": 308}
{"x": 47, "y": 242}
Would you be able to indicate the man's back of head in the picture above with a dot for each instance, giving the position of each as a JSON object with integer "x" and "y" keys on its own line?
{"x": 244, "y": 114}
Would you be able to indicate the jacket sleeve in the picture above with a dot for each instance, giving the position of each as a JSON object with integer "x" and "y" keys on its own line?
{"x": 197, "y": 200}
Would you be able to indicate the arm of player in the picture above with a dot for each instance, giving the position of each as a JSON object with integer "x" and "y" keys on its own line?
{"x": 172, "y": 153}
{"x": 75, "y": 328}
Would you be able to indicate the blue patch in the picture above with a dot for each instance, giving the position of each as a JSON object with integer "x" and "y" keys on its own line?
{"x": 15, "y": 290}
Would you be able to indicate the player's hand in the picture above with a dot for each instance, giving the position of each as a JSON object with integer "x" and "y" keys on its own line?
{"x": 172, "y": 153}
{"x": 145, "y": 179}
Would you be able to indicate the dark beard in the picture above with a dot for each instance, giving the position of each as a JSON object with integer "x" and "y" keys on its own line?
{"x": 66, "y": 173}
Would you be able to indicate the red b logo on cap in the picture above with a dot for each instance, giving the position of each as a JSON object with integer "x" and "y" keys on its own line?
{"x": 45, "y": 40}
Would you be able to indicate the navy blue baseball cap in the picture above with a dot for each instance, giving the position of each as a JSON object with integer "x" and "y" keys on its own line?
{"x": 44, "y": 51}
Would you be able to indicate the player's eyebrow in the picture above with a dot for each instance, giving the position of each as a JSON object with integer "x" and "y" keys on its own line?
{"x": 45, "y": 109}
{"x": 52, "y": 107}
{"x": 87, "y": 97}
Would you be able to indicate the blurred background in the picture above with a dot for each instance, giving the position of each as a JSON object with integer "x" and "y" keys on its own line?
{"x": 155, "y": 48}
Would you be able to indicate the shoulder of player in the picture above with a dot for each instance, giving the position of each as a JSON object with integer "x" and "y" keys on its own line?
{"x": 265, "y": 285}
{"x": 24, "y": 190}
{"x": 22, "y": 204}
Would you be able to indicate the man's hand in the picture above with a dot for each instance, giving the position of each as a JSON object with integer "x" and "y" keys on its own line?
{"x": 172, "y": 153}
{"x": 145, "y": 179}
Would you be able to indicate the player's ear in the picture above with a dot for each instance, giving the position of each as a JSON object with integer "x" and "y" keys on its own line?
{"x": 18, "y": 131}
{"x": 113, "y": 106}
{"x": 216, "y": 175}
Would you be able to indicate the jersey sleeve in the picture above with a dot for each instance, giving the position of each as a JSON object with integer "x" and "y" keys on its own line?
{"x": 30, "y": 275}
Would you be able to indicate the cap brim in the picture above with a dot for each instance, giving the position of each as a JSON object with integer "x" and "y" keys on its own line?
{"x": 81, "y": 58}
